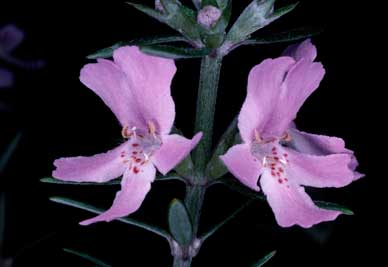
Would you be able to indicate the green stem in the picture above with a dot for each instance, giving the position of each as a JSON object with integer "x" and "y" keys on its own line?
{"x": 193, "y": 201}
{"x": 180, "y": 262}
{"x": 206, "y": 106}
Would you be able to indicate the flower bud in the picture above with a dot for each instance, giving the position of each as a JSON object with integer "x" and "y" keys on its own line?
{"x": 159, "y": 6}
{"x": 208, "y": 16}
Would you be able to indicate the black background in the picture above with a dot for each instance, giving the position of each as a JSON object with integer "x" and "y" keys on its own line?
{"x": 61, "y": 117}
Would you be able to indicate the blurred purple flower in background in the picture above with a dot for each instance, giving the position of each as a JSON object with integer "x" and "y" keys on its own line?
{"x": 10, "y": 38}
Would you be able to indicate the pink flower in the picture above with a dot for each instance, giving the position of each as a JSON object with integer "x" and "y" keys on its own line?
{"x": 136, "y": 87}
{"x": 284, "y": 158}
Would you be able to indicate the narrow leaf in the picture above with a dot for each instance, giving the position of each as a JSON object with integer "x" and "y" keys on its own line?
{"x": 50, "y": 180}
{"x": 215, "y": 168}
{"x": 2, "y": 217}
{"x": 288, "y": 36}
{"x": 179, "y": 223}
{"x": 7, "y": 154}
{"x": 234, "y": 185}
{"x": 333, "y": 206}
{"x": 87, "y": 257}
{"x": 149, "y": 11}
{"x": 173, "y": 52}
{"x": 177, "y": 16}
{"x": 127, "y": 220}
{"x": 209, "y": 233}
{"x": 256, "y": 16}
{"x": 282, "y": 11}
{"x": 265, "y": 259}
{"x": 251, "y": 19}
{"x": 108, "y": 52}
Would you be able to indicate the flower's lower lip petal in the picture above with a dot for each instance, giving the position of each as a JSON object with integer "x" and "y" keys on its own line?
{"x": 243, "y": 165}
{"x": 173, "y": 150}
{"x": 316, "y": 144}
{"x": 134, "y": 188}
{"x": 98, "y": 168}
{"x": 291, "y": 205}
{"x": 320, "y": 171}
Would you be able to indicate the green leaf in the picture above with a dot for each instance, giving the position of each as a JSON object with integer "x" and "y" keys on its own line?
{"x": 197, "y": 4}
{"x": 168, "y": 176}
{"x": 2, "y": 218}
{"x": 50, "y": 180}
{"x": 288, "y": 36}
{"x": 234, "y": 185}
{"x": 127, "y": 220}
{"x": 282, "y": 11}
{"x": 256, "y": 16}
{"x": 215, "y": 168}
{"x": 177, "y": 16}
{"x": 108, "y": 52}
{"x": 87, "y": 257}
{"x": 333, "y": 206}
{"x": 173, "y": 52}
{"x": 223, "y": 4}
{"x": 209, "y": 233}
{"x": 265, "y": 259}
{"x": 179, "y": 223}
{"x": 10, "y": 149}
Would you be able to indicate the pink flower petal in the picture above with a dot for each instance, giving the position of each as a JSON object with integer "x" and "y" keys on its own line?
{"x": 291, "y": 205}
{"x": 174, "y": 149}
{"x": 6, "y": 78}
{"x": 264, "y": 86}
{"x": 321, "y": 145}
{"x": 149, "y": 79}
{"x": 316, "y": 144}
{"x": 98, "y": 168}
{"x": 134, "y": 188}
{"x": 303, "y": 50}
{"x": 301, "y": 81}
{"x": 245, "y": 167}
{"x": 320, "y": 171}
{"x": 10, "y": 37}
{"x": 108, "y": 81}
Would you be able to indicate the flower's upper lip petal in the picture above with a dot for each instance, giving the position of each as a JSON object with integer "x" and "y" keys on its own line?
{"x": 108, "y": 81}
{"x": 149, "y": 80}
{"x": 134, "y": 188}
{"x": 6, "y": 78}
{"x": 173, "y": 150}
{"x": 264, "y": 85}
{"x": 98, "y": 168}
{"x": 301, "y": 81}
{"x": 301, "y": 50}
{"x": 291, "y": 205}
{"x": 10, "y": 37}
{"x": 320, "y": 171}
{"x": 243, "y": 165}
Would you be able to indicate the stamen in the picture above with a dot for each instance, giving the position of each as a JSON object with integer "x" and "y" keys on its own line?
{"x": 124, "y": 132}
{"x": 258, "y": 138}
{"x": 286, "y": 137}
{"x": 152, "y": 128}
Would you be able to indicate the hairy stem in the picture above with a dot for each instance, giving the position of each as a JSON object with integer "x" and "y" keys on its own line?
{"x": 206, "y": 106}
{"x": 193, "y": 201}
